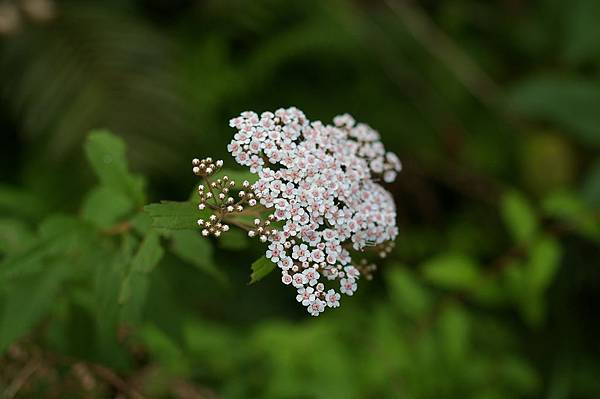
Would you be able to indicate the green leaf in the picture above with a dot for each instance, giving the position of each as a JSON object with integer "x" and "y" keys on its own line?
{"x": 196, "y": 250}
{"x": 409, "y": 296}
{"x": 452, "y": 271}
{"x": 104, "y": 206}
{"x": 134, "y": 287}
{"x": 148, "y": 255}
{"x": 106, "y": 154}
{"x": 27, "y": 299}
{"x": 170, "y": 215}
{"x": 570, "y": 103}
{"x": 571, "y": 210}
{"x": 108, "y": 276}
{"x": 454, "y": 332}
{"x": 518, "y": 216}
{"x": 543, "y": 263}
{"x": 142, "y": 223}
{"x": 260, "y": 269}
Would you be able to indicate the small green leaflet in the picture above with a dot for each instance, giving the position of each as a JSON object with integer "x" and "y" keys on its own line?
{"x": 452, "y": 271}
{"x": 519, "y": 216}
{"x": 260, "y": 268}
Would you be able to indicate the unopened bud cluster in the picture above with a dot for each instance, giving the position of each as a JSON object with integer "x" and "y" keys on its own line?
{"x": 366, "y": 269}
{"x": 212, "y": 226}
{"x": 385, "y": 249}
{"x": 218, "y": 196}
{"x": 205, "y": 167}
{"x": 262, "y": 229}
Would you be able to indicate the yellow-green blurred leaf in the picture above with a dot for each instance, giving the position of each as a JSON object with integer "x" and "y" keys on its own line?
{"x": 452, "y": 271}
{"x": 519, "y": 216}
{"x": 409, "y": 296}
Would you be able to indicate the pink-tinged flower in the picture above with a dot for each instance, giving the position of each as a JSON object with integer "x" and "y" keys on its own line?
{"x": 332, "y": 298}
{"x": 285, "y": 262}
{"x": 300, "y": 252}
{"x": 348, "y": 286}
{"x": 317, "y": 255}
{"x": 274, "y": 252}
{"x": 352, "y": 272}
{"x": 286, "y": 279}
{"x": 312, "y": 276}
{"x": 315, "y": 307}
{"x": 305, "y": 295}
{"x": 322, "y": 180}
{"x": 298, "y": 280}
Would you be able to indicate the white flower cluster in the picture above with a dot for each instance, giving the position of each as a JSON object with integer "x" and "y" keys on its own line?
{"x": 321, "y": 182}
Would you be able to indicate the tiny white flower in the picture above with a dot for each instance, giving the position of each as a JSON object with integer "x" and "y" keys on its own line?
{"x": 332, "y": 298}
{"x": 347, "y": 286}
{"x": 315, "y": 307}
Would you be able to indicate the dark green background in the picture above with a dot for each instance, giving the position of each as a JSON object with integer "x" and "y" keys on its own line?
{"x": 492, "y": 290}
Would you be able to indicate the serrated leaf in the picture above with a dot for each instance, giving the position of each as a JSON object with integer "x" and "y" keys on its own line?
{"x": 170, "y": 215}
{"x": 106, "y": 154}
{"x": 196, "y": 250}
{"x": 260, "y": 269}
{"x": 570, "y": 103}
{"x": 104, "y": 206}
{"x": 519, "y": 216}
{"x": 452, "y": 271}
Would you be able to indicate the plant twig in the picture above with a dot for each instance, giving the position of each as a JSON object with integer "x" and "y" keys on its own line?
{"x": 113, "y": 379}
{"x": 21, "y": 378}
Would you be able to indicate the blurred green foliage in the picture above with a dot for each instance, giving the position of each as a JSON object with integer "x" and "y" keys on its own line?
{"x": 107, "y": 290}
